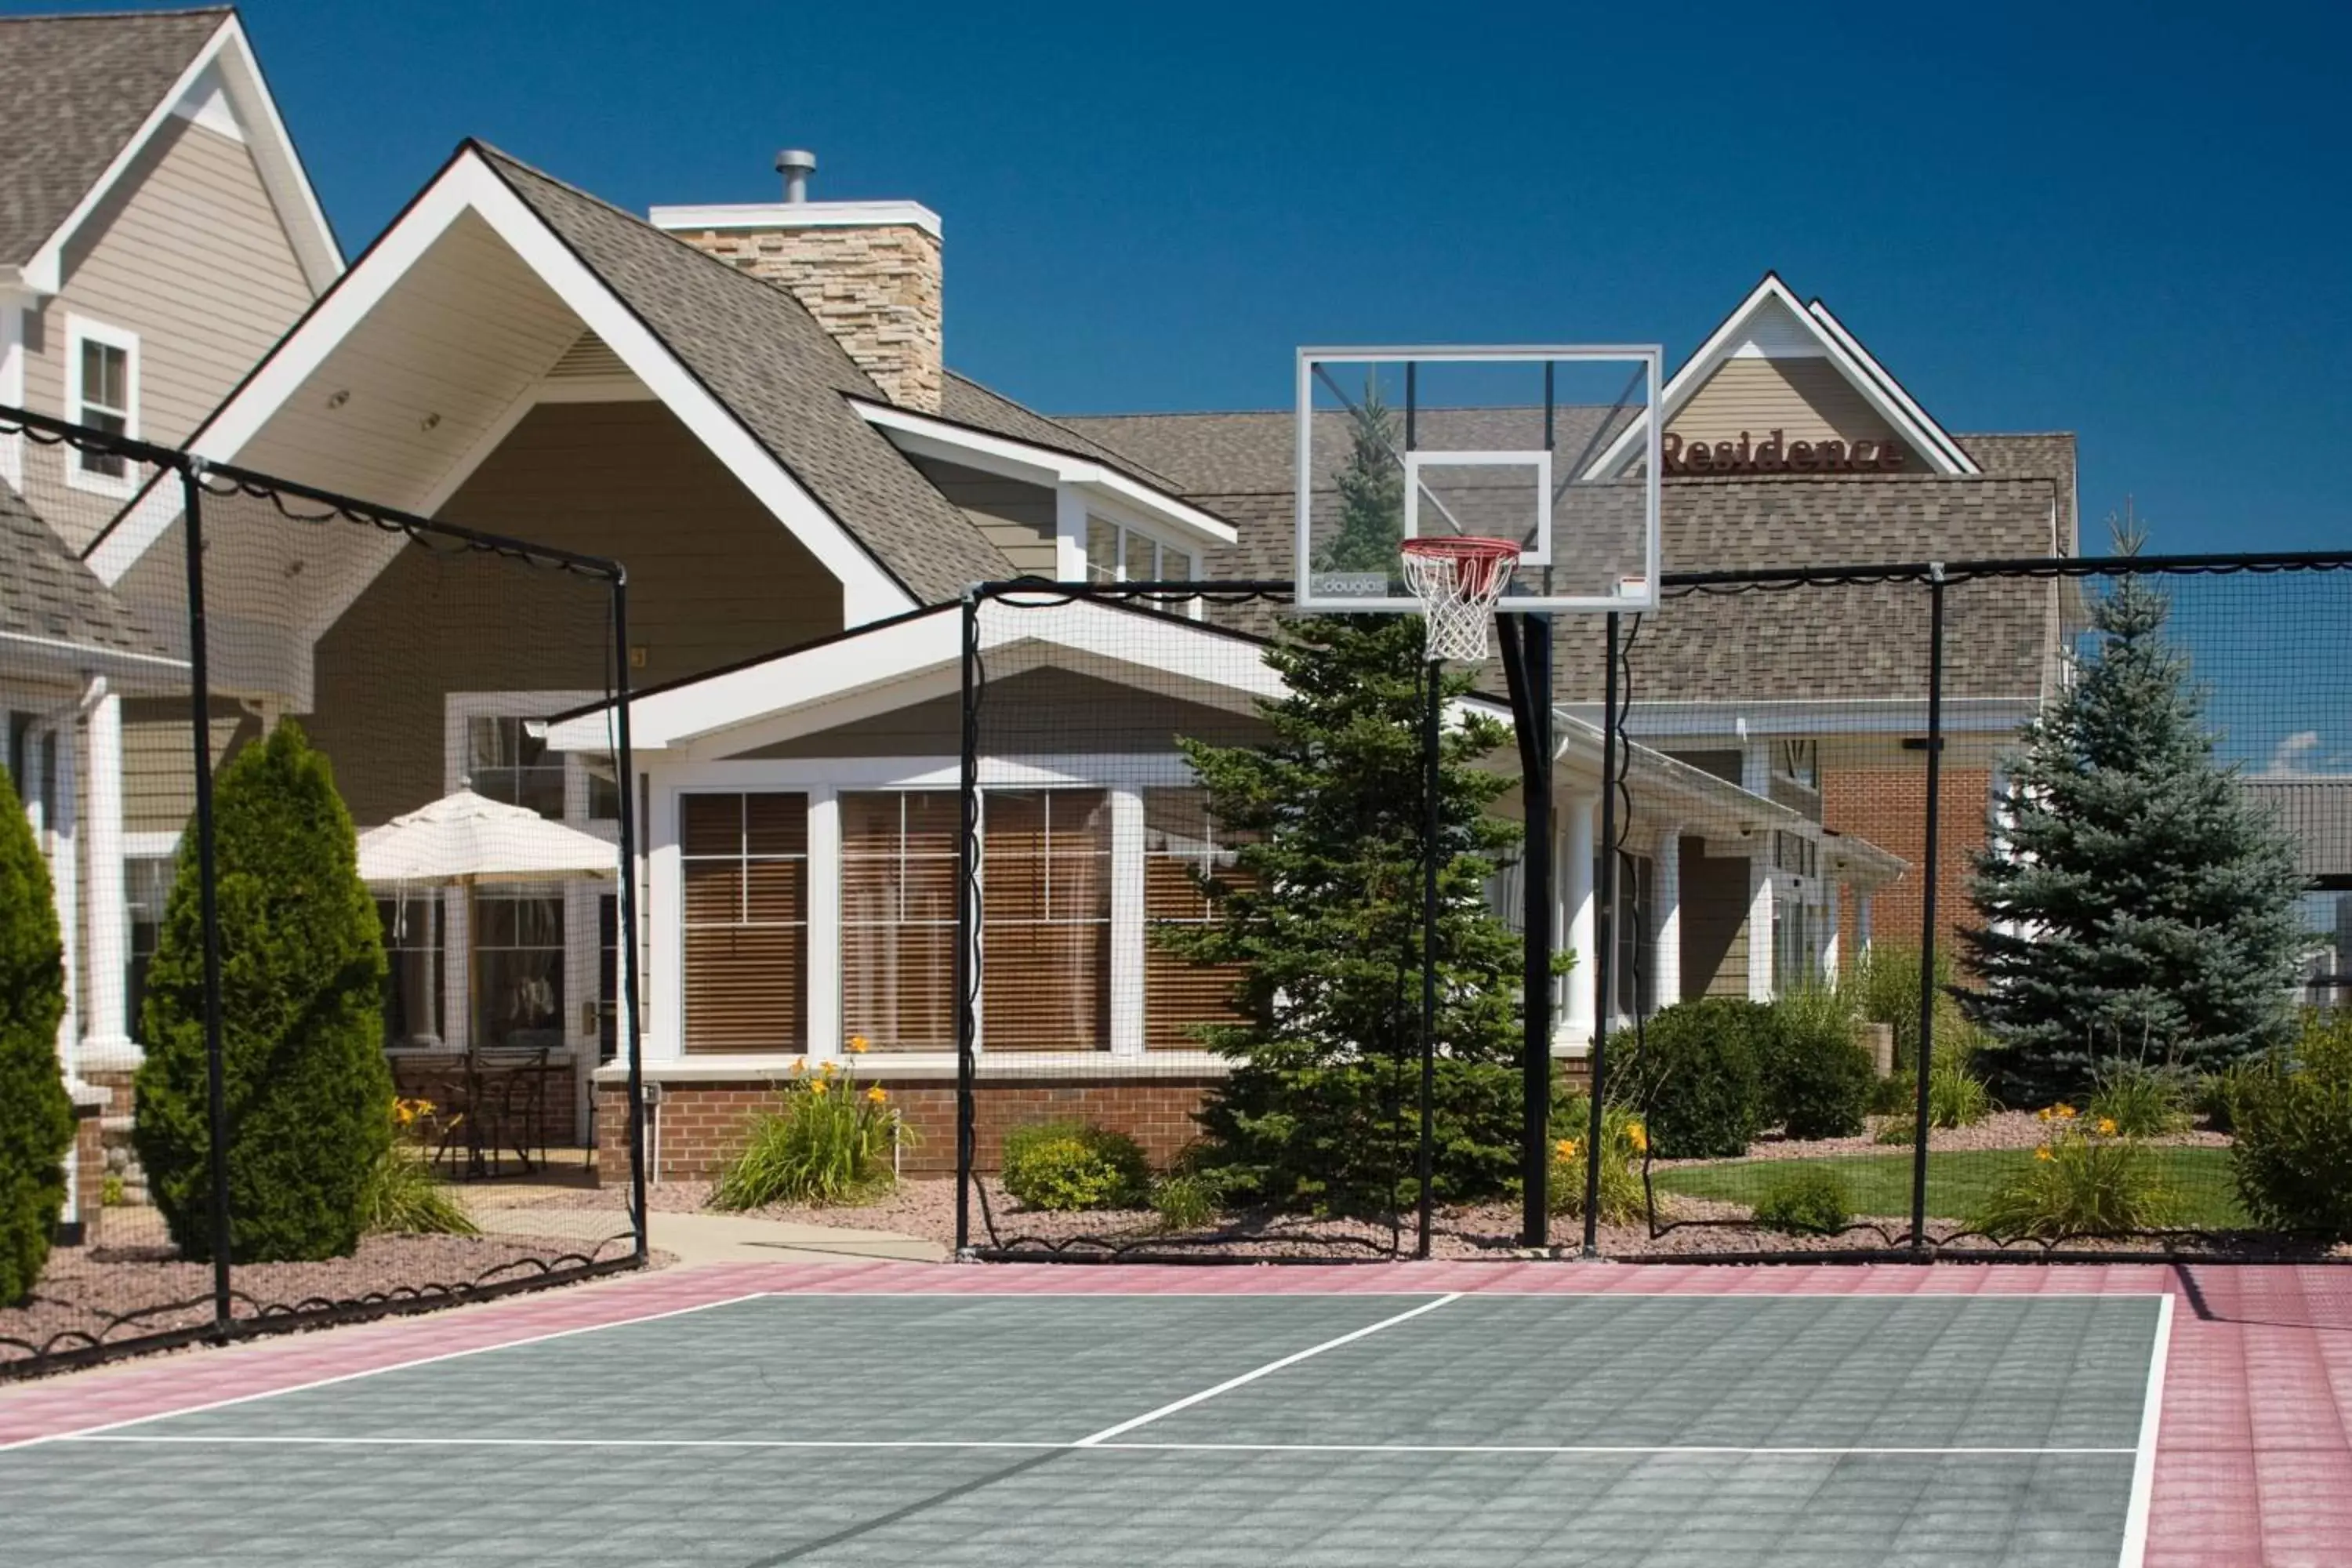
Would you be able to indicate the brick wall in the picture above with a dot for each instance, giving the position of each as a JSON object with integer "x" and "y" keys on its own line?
{"x": 89, "y": 1169}
{"x": 701, "y": 1125}
{"x": 1889, "y": 808}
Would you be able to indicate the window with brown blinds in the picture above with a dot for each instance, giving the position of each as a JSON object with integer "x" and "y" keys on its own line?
{"x": 1181, "y": 845}
{"x": 1045, "y": 920}
{"x": 898, "y": 919}
{"x": 745, "y": 861}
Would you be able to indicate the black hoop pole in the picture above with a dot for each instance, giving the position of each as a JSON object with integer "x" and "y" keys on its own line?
{"x": 1604, "y": 976}
{"x": 208, "y": 897}
{"x": 1928, "y": 906}
{"x": 1431, "y": 778}
{"x": 1526, "y": 642}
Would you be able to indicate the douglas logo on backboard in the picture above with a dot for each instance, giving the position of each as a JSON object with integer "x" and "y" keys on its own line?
{"x": 1775, "y": 456}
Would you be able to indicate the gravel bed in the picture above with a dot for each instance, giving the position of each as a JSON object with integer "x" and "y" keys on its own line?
{"x": 2002, "y": 1129}
{"x": 122, "y": 1291}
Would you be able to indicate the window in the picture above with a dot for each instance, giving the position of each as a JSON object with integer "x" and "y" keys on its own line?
{"x": 745, "y": 862}
{"x": 507, "y": 762}
{"x": 608, "y": 978}
{"x": 1045, "y": 903}
{"x": 1117, "y": 554}
{"x": 146, "y": 883}
{"x": 519, "y": 967}
{"x": 898, "y": 919}
{"x": 101, "y": 391}
{"x": 1183, "y": 845}
{"x": 415, "y": 978}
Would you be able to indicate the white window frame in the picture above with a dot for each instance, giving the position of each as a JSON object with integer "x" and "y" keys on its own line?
{"x": 80, "y": 329}
{"x": 1120, "y": 529}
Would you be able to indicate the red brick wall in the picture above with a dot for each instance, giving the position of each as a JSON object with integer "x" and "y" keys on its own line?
{"x": 1888, "y": 806}
{"x": 701, "y": 1125}
{"x": 89, "y": 1171}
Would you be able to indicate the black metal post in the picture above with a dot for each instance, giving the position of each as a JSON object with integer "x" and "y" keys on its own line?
{"x": 1431, "y": 735}
{"x": 967, "y": 923}
{"x": 1928, "y": 872}
{"x": 1527, "y": 665}
{"x": 200, "y": 701}
{"x": 1605, "y": 938}
{"x": 628, "y": 937}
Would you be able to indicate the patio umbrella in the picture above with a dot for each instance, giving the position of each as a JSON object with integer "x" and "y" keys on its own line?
{"x": 467, "y": 838}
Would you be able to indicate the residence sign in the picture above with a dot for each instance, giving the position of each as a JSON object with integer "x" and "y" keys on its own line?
{"x": 1773, "y": 455}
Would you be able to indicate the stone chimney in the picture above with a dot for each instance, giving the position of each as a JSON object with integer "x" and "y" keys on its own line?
{"x": 868, "y": 271}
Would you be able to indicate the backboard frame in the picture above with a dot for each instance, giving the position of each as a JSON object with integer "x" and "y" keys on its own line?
{"x": 1650, "y": 357}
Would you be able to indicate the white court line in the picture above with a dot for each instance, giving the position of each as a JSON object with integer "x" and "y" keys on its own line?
{"x": 1719, "y": 1449}
{"x": 2151, "y": 1417}
{"x": 373, "y": 1371}
{"x": 1096, "y": 1439}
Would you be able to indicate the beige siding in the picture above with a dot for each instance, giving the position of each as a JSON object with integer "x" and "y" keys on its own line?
{"x": 1018, "y": 518}
{"x": 713, "y": 579}
{"x": 159, "y": 787}
{"x": 189, "y": 254}
{"x": 1715, "y": 922}
{"x": 1034, "y": 712}
{"x": 1806, "y": 398}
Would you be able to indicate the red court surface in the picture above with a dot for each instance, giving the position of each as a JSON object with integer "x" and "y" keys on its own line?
{"x": 2253, "y": 1453}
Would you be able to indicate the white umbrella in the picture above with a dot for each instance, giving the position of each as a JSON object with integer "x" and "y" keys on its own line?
{"x": 468, "y": 838}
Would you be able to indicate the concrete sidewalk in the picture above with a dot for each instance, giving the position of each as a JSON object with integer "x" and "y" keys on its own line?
{"x": 724, "y": 1238}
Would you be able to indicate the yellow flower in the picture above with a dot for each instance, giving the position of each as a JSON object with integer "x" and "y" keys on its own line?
{"x": 2065, "y": 1112}
{"x": 1638, "y": 1137}
{"x": 1566, "y": 1148}
{"x": 829, "y": 1068}
{"x": 856, "y": 1045}
{"x": 817, "y": 1086}
{"x": 2043, "y": 1114}
{"x": 2106, "y": 1126}
{"x": 799, "y": 1067}
{"x": 876, "y": 1094}
{"x": 2041, "y": 1151}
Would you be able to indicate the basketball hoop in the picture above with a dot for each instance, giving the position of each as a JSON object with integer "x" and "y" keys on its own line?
{"x": 1458, "y": 582}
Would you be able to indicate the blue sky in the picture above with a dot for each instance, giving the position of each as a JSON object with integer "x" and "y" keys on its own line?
{"x": 2129, "y": 222}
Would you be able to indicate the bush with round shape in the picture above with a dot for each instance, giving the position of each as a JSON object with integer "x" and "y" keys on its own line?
{"x": 36, "y": 1119}
{"x": 302, "y": 971}
{"x": 2292, "y": 1160}
{"x": 1075, "y": 1165}
{"x": 1805, "y": 1200}
{"x": 1692, "y": 1072}
{"x": 1817, "y": 1076}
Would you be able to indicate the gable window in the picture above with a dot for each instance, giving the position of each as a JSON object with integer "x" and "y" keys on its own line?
{"x": 101, "y": 391}
{"x": 1119, "y": 554}
{"x": 507, "y": 762}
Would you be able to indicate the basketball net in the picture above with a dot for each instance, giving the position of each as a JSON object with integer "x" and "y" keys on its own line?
{"x": 1458, "y": 582}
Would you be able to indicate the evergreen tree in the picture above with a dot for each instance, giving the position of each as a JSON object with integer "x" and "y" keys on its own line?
{"x": 1371, "y": 492}
{"x": 36, "y": 1121}
{"x": 302, "y": 971}
{"x": 2137, "y": 903}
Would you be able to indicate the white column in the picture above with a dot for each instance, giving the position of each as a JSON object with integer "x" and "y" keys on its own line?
{"x": 1832, "y": 917}
{"x": 664, "y": 904}
{"x": 107, "y": 1023}
{"x": 1666, "y": 930}
{"x": 457, "y": 966}
{"x": 1127, "y": 922}
{"x": 65, "y": 876}
{"x": 1862, "y": 925}
{"x": 1759, "y": 925}
{"x": 823, "y": 933}
{"x": 1579, "y": 920}
{"x": 428, "y": 910}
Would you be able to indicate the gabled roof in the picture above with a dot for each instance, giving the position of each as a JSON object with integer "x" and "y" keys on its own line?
{"x": 1773, "y": 321}
{"x": 84, "y": 94}
{"x": 967, "y": 401}
{"x": 50, "y": 600}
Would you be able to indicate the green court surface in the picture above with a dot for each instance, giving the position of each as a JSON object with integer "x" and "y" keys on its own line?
{"x": 1452, "y": 1431}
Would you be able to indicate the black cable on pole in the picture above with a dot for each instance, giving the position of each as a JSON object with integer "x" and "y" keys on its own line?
{"x": 967, "y": 924}
{"x": 1928, "y": 908}
{"x": 1432, "y": 736}
{"x": 207, "y": 896}
{"x": 1604, "y": 975}
{"x": 626, "y": 939}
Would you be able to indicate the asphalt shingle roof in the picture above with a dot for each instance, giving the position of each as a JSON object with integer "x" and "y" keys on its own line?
{"x": 966, "y": 401}
{"x": 45, "y": 592}
{"x": 77, "y": 88}
{"x": 762, "y": 355}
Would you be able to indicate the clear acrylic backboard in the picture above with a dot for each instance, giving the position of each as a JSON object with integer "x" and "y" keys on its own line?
{"x": 1501, "y": 442}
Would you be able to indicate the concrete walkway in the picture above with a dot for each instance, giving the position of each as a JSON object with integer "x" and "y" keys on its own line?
{"x": 724, "y": 1238}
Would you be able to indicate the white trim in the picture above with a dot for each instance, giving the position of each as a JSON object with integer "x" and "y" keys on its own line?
{"x": 206, "y": 103}
{"x": 1536, "y": 553}
{"x": 152, "y": 846}
{"x": 470, "y": 184}
{"x": 81, "y": 329}
{"x": 821, "y": 1007}
{"x": 797, "y": 214}
{"x": 2151, "y": 1423}
{"x": 273, "y": 158}
{"x": 1860, "y": 716}
{"x": 1877, "y": 388}
{"x": 925, "y": 436}
{"x": 1127, "y": 936}
{"x": 12, "y": 306}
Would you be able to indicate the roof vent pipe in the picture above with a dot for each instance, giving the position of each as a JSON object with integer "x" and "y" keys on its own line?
{"x": 795, "y": 166}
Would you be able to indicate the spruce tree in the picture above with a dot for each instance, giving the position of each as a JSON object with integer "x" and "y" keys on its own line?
{"x": 2134, "y": 901}
{"x": 1371, "y": 492}
{"x": 302, "y": 971}
{"x": 36, "y": 1121}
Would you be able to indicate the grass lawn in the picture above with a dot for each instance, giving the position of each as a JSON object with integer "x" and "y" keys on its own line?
{"x": 1958, "y": 1181}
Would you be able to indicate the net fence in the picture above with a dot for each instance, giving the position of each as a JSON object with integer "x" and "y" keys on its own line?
{"x": 320, "y": 923}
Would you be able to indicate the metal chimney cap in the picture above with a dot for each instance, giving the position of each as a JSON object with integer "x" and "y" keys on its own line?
{"x": 795, "y": 166}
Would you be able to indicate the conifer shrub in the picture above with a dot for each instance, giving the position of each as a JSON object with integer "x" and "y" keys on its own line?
{"x": 36, "y": 1121}
{"x": 302, "y": 970}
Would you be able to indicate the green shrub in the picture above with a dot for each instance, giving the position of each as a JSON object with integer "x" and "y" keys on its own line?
{"x": 1897, "y": 1130}
{"x": 1624, "y": 1140}
{"x": 1187, "y": 1200}
{"x": 1956, "y": 1095}
{"x": 302, "y": 972}
{"x": 1893, "y": 1095}
{"x": 402, "y": 1196}
{"x": 2292, "y": 1160}
{"x": 827, "y": 1142}
{"x": 1805, "y": 1200}
{"x": 1075, "y": 1165}
{"x": 36, "y": 1117}
{"x": 2083, "y": 1182}
{"x": 1816, "y": 1074}
{"x": 2143, "y": 1102}
{"x": 1884, "y": 988}
{"x": 1692, "y": 1071}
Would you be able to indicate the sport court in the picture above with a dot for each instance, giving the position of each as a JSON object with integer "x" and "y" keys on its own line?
{"x": 1427, "y": 1427}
